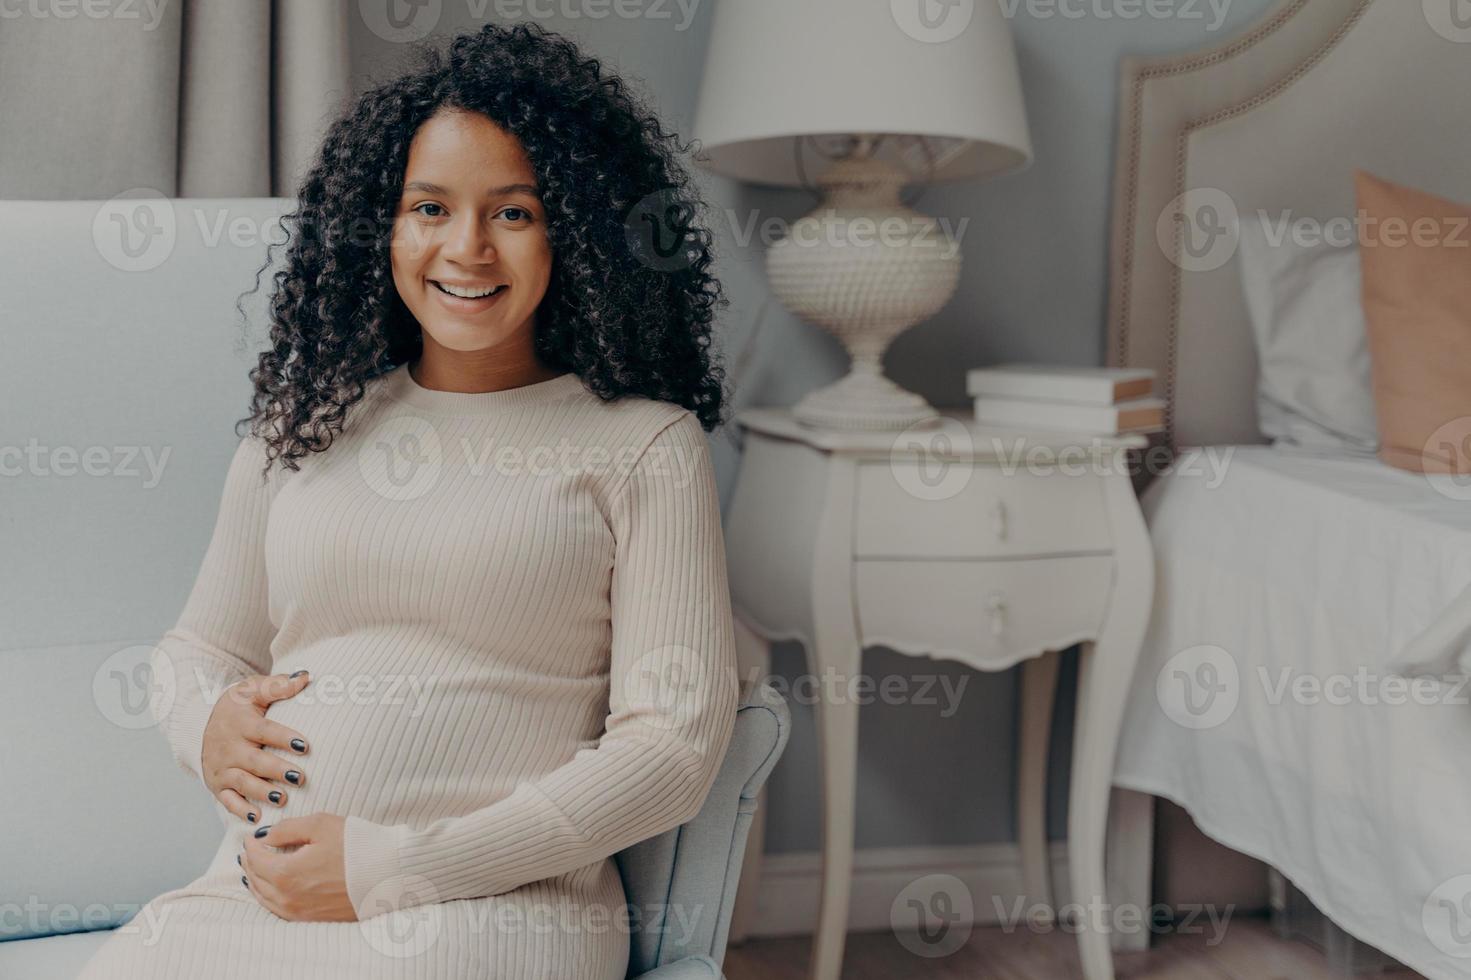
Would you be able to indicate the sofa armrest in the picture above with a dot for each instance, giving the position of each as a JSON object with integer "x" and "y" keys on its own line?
{"x": 689, "y": 968}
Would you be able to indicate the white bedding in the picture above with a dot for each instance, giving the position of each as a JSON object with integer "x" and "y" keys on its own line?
{"x": 1308, "y": 566}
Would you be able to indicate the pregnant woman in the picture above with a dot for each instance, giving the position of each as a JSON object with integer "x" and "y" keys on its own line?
{"x": 462, "y": 631}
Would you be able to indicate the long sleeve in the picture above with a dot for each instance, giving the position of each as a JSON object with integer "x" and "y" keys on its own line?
{"x": 672, "y": 697}
{"x": 224, "y": 632}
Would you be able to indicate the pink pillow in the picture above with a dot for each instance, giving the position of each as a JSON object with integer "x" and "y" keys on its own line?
{"x": 1415, "y": 251}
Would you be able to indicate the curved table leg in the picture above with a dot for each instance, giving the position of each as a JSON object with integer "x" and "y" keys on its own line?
{"x": 1105, "y": 676}
{"x": 837, "y": 722}
{"x": 1129, "y": 856}
{"x": 1039, "y": 684}
{"x": 836, "y": 658}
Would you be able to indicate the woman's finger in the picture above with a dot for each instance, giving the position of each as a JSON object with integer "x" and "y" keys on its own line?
{"x": 254, "y": 880}
{"x": 234, "y": 802}
{"x": 290, "y": 833}
{"x": 253, "y": 788}
{"x": 254, "y": 861}
{"x": 273, "y": 733}
{"x": 268, "y": 765}
{"x": 274, "y": 687}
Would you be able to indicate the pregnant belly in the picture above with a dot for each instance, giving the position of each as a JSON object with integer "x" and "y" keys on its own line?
{"x": 389, "y": 744}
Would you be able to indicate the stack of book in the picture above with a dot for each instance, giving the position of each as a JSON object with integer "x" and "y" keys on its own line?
{"x": 1098, "y": 401}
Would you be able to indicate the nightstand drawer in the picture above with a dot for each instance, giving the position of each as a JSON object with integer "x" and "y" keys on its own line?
{"x": 905, "y": 508}
{"x": 989, "y": 614}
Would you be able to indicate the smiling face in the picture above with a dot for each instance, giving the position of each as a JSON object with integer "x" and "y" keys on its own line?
{"x": 471, "y": 259}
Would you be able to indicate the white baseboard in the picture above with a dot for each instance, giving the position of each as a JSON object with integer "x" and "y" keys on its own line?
{"x": 791, "y": 884}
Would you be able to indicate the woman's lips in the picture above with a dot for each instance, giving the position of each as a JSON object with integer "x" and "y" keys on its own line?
{"x": 460, "y": 304}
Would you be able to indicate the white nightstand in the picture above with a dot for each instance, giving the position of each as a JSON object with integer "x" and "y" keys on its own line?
{"x": 948, "y": 544}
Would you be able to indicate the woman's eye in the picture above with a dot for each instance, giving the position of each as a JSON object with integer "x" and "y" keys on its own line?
{"x": 430, "y": 209}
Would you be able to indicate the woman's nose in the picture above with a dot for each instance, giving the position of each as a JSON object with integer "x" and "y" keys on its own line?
{"x": 469, "y": 240}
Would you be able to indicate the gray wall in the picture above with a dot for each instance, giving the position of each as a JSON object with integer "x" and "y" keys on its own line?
{"x": 1034, "y": 288}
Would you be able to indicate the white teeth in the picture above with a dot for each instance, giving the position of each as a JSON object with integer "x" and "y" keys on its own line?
{"x": 466, "y": 293}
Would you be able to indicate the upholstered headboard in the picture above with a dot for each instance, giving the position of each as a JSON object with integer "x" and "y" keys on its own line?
{"x": 1273, "y": 122}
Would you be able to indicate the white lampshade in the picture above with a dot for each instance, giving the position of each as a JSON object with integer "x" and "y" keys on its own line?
{"x": 781, "y": 69}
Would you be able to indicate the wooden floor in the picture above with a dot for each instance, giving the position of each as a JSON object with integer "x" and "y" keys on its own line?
{"x": 1249, "y": 951}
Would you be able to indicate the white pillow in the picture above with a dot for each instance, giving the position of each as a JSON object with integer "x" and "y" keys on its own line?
{"x": 1307, "y": 315}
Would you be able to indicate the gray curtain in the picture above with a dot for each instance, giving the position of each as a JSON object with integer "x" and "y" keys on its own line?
{"x": 188, "y": 98}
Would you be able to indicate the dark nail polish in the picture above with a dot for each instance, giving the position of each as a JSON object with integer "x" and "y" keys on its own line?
{"x": 299, "y": 673}
{"x": 262, "y": 831}
{"x": 237, "y": 860}
{"x": 292, "y": 776}
{"x": 274, "y": 796}
{"x": 298, "y": 745}
{"x": 250, "y": 816}
{"x": 244, "y": 882}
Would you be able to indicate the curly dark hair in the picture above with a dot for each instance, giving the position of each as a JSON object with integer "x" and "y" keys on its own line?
{"x": 625, "y": 312}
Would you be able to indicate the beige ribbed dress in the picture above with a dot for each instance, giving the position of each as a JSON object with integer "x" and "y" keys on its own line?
{"x": 515, "y": 612}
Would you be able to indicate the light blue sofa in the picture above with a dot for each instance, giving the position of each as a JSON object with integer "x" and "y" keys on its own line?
{"x": 124, "y": 372}
{"x": 681, "y": 885}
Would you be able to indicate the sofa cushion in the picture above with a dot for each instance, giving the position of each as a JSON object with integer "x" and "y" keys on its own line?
{"x": 50, "y": 957}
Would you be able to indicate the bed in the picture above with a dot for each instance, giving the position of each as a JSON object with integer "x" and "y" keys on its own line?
{"x": 1265, "y": 702}
{"x": 1264, "y": 705}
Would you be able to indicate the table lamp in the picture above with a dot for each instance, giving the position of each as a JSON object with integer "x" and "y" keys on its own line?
{"x": 869, "y": 96}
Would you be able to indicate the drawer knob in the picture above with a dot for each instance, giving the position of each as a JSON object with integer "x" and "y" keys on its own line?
{"x": 998, "y": 520}
{"x": 997, "y": 605}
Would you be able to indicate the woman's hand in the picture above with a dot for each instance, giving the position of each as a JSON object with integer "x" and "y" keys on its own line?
{"x": 236, "y": 768}
{"x": 308, "y": 882}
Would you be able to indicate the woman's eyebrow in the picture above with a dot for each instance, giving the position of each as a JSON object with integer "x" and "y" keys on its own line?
{"x": 428, "y": 188}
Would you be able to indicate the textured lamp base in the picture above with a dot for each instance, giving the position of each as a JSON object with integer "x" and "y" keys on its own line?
{"x": 863, "y": 399}
{"x": 864, "y": 267}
